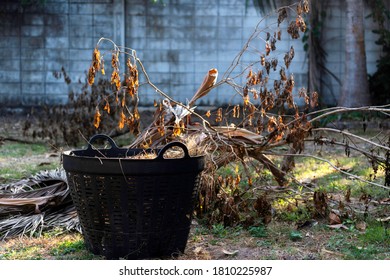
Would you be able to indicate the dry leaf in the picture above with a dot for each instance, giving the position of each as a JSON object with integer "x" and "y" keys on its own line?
{"x": 334, "y": 219}
{"x": 107, "y": 107}
{"x": 122, "y": 121}
{"x": 348, "y": 195}
{"x": 385, "y": 201}
{"x": 361, "y": 226}
{"x": 338, "y": 226}
{"x": 263, "y": 208}
{"x": 320, "y": 203}
{"x": 323, "y": 250}
{"x": 198, "y": 250}
{"x": 383, "y": 219}
{"x": 230, "y": 253}
{"x": 97, "y": 118}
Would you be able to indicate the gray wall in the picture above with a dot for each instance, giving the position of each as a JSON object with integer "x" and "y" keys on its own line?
{"x": 177, "y": 40}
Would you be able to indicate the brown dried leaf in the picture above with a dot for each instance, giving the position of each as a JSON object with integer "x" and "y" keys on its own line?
{"x": 122, "y": 120}
{"x": 96, "y": 63}
{"x": 299, "y": 8}
{"x": 263, "y": 208}
{"x": 306, "y": 7}
{"x": 348, "y": 195}
{"x": 283, "y": 75}
{"x": 272, "y": 124}
{"x": 115, "y": 60}
{"x": 177, "y": 129}
{"x": 282, "y": 15}
{"x": 97, "y": 118}
{"x": 219, "y": 115}
{"x": 136, "y": 113}
{"x": 267, "y": 48}
{"x": 334, "y": 219}
{"x": 91, "y": 75}
{"x": 262, "y": 60}
{"x": 361, "y": 226}
{"x": 115, "y": 79}
{"x": 314, "y": 99}
{"x": 107, "y": 107}
{"x": 320, "y": 203}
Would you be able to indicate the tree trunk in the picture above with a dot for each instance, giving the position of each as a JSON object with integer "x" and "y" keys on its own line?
{"x": 355, "y": 91}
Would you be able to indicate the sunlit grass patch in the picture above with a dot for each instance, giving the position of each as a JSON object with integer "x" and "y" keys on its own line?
{"x": 369, "y": 244}
{"x": 322, "y": 175}
{"x": 19, "y": 160}
{"x": 12, "y": 150}
{"x": 64, "y": 246}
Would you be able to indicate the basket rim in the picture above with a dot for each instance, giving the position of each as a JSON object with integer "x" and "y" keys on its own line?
{"x": 73, "y": 153}
{"x": 131, "y": 166}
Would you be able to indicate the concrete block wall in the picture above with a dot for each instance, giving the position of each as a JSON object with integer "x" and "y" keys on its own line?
{"x": 177, "y": 40}
{"x": 41, "y": 38}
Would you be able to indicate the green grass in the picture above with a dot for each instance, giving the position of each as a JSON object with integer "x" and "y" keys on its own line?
{"x": 25, "y": 253}
{"x": 373, "y": 244}
{"x": 219, "y": 231}
{"x": 60, "y": 247}
{"x": 23, "y": 170}
{"x": 71, "y": 249}
{"x": 18, "y": 150}
{"x": 67, "y": 247}
{"x": 279, "y": 236}
{"x": 259, "y": 231}
{"x": 19, "y": 160}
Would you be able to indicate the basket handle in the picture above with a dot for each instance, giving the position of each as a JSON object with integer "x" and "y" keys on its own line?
{"x": 171, "y": 145}
{"x": 103, "y": 137}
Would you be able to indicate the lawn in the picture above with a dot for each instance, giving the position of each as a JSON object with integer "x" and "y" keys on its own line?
{"x": 293, "y": 232}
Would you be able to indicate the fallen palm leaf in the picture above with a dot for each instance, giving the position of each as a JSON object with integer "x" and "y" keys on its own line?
{"x": 39, "y": 203}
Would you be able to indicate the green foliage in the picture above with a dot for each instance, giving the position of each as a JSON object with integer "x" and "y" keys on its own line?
{"x": 259, "y": 231}
{"x": 25, "y": 253}
{"x": 11, "y": 150}
{"x": 295, "y": 235}
{"x": 219, "y": 230}
{"x": 374, "y": 243}
{"x": 68, "y": 247}
{"x": 296, "y": 215}
{"x": 12, "y": 168}
{"x": 376, "y": 234}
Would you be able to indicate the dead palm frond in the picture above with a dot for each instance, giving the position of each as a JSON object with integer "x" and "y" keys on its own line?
{"x": 35, "y": 204}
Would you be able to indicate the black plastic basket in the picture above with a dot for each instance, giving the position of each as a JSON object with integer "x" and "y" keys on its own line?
{"x": 133, "y": 208}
